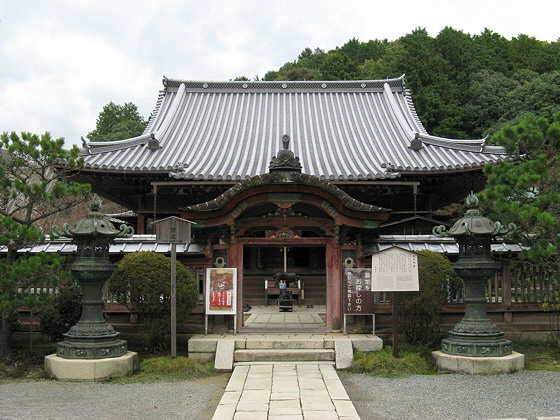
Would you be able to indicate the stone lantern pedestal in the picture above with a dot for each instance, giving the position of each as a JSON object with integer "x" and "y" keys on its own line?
{"x": 476, "y": 345}
{"x": 92, "y": 350}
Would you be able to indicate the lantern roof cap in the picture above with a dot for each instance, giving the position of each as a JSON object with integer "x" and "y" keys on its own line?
{"x": 95, "y": 224}
{"x": 474, "y": 223}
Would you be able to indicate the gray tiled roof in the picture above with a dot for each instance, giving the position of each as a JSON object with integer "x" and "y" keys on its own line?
{"x": 148, "y": 243}
{"x": 341, "y": 130}
{"x": 433, "y": 243}
{"x": 120, "y": 246}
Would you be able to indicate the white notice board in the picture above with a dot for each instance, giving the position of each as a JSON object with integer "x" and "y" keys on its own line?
{"x": 394, "y": 270}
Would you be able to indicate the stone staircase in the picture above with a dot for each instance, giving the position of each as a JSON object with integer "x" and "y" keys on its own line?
{"x": 228, "y": 350}
{"x": 284, "y": 349}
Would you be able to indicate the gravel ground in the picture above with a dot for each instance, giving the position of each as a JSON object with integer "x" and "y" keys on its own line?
{"x": 525, "y": 394}
{"x": 65, "y": 400}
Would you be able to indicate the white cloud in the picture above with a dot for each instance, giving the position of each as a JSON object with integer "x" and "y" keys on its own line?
{"x": 63, "y": 60}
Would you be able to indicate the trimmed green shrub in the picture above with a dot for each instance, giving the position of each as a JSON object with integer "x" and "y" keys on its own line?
{"x": 419, "y": 312}
{"x": 411, "y": 361}
{"x": 142, "y": 281}
{"x": 62, "y": 311}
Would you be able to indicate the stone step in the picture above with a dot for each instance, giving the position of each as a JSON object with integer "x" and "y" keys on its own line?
{"x": 283, "y": 355}
{"x": 284, "y": 343}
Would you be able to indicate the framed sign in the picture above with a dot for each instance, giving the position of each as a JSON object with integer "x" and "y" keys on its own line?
{"x": 221, "y": 288}
{"x": 358, "y": 292}
{"x": 394, "y": 270}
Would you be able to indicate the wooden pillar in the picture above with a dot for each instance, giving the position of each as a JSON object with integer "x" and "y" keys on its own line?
{"x": 506, "y": 293}
{"x": 334, "y": 286}
{"x": 235, "y": 260}
{"x": 140, "y": 222}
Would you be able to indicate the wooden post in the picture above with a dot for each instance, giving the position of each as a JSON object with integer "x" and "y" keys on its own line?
{"x": 334, "y": 286}
{"x": 396, "y": 325}
{"x": 140, "y": 221}
{"x": 235, "y": 260}
{"x": 173, "y": 300}
{"x": 506, "y": 293}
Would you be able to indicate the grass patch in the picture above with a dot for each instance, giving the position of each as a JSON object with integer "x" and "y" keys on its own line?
{"x": 412, "y": 360}
{"x": 164, "y": 368}
{"x": 539, "y": 355}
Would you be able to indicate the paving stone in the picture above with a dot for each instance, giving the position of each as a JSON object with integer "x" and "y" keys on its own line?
{"x": 230, "y": 397}
{"x": 320, "y": 415}
{"x": 311, "y": 384}
{"x": 317, "y": 394}
{"x": 328, "y": 372}
{"x": 317, "y": 406}
{"x": 257, "y": 384}
{"x": 267, "y": 369}
{"x": 336, "y": 389}
{"x": 252, "y": 406}
{"x": 274, "y": 396}
{"x": 277, "y": 389}
{"x": 240, "y": 372}
{"x": 285, "y": 417}
{"x": 292, "y": 411}
{"x": 224, "y": 412}
{"x": 255, "y": 415}
{"x": 235, "y": 385}
{"x": 345, "y": 408}
{"x": 251, "y": 395}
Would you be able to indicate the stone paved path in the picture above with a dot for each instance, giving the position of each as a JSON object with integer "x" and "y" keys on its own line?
{"x": 285, "y": 390}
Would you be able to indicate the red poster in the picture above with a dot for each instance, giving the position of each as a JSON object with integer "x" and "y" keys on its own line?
{"x": 221, "y": 285}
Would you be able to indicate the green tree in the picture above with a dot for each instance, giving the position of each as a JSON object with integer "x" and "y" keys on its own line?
{"x": 31, "y": 189}
{"x": 142, "y": 282}
{"x": 302, "y": 73}
{"x": 492, "y": 52}
{"x": 486, "y": 100}
{"x": 118, "y": 122}
{"x": 537, "y": 95}
{"x": 337, "y": 66}
{"x": 62, "y": 311}
{"x": 527, "y": 191}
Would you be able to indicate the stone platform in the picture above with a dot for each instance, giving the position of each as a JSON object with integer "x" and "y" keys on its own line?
{"x": 82, "y": 370}
{"x": 227, "y": 350}
{"x": 449, "y": 363}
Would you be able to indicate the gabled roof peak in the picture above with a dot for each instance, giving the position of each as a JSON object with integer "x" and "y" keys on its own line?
{"x": 396, "y": 84}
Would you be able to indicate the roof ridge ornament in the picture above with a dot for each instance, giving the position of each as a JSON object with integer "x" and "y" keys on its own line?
{"x": 153, "y": 143}
{"x": 285, "y": 159}
{"x": 416, "y": 142}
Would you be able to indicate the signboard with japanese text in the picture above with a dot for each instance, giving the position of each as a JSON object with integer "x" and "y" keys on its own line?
{"x": 394, "y": 270}
{"x": 358, "y": 296}
{"x": 221, "y": 287}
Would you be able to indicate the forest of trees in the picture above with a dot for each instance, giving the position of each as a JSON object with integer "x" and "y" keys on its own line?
{"x": 463, "y": 86}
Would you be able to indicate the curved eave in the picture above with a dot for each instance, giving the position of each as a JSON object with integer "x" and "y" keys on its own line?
{"x": 237, "y": 193}
{"x": 341, "y": 130}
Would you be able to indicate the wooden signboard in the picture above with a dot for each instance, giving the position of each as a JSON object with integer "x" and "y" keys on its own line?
{"x": 395, "y": 270}
{"x": 173, "y": 230}
{"x": 358, "y": 293}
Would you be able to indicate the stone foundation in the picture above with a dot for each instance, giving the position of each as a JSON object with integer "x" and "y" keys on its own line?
{"x": 88, "y": 370}
{"x": 449, "y": 363}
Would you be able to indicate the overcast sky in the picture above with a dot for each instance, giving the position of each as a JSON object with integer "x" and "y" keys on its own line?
{"x": 62, "y": 61}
